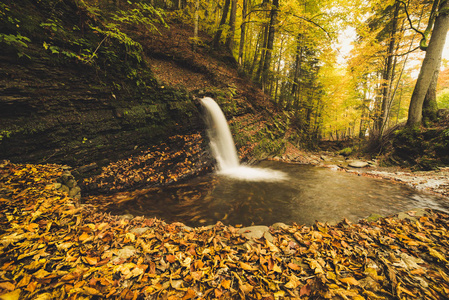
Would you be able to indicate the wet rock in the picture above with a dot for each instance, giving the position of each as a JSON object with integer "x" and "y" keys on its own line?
{"x": 75, "y": 191}
{"x": 71, "y": 183}
{"x": 279, "y": 225}
{"x": 358, "y": 164}
{"x": 256, "y": 232}
{"x": 412, "y": 214}
{"x": 373, "y": 217}
{"x": 126, "y": 217}
{"x": 65, "y": 189}
{"x": 87, "y": 168}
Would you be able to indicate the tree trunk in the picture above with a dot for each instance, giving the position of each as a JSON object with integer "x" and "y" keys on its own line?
{"x": 242, "y": 34}
{"x": 196, "y": 24}
{"x": 262, "y": 53}
{"x": 270, "y": 42}
{"x": 224, "y": 16}
{"x": 430, "y": 64}
{"x": 230, "y": 37}
{"x": 388, "y": 75}
{"x": 430, "y": 106}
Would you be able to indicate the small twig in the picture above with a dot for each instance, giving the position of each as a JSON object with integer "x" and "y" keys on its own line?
{"x": 98, "y": 47}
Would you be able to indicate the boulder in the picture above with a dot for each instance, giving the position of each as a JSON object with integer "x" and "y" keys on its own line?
{"x": 358, "y": 164}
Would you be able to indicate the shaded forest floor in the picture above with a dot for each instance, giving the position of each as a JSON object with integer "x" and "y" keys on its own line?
{"x": 52, "y": 247}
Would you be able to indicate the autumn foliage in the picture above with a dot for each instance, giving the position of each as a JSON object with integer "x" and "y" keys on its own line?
{"x": 54, "y": 248}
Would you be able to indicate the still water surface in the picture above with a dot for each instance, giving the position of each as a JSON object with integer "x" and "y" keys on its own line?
{"x": 309, "y": 194}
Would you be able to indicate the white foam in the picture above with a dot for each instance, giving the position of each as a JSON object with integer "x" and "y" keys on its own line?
{"x": 253, "y": 174}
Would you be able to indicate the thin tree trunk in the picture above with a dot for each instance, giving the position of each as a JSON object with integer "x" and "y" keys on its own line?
{"x": 230, "y": 37}
{"x": 430, "y": 64}
{"x": 224, "y": 16}
{"x": 196, "y": 24}
{"x": 242, "y": 34}
{"x": 262, "y": 53}
{"x": 388, "y": 75}
{"x": 270, "y": 42}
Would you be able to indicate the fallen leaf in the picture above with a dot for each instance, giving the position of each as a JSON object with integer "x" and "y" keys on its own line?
{"x": 349, "y": 280}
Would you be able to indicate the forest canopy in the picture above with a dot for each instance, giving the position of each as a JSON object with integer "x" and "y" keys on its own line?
{"x": 291, "y": 49}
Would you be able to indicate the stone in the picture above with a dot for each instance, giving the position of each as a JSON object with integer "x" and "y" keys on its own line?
{"x": 279, "y": 225}
{"x": 75, "y": 191}
{"x": 71, "y": 183}
{"x": 57, "y": 185}
{"x": 373, "y": 217}
{"x": 126, "y": 217}
{"x": 65, "y": 188}
{"x": 358, "y": 164}
{"x": 412, "y": 214}
{"x": 254, "y": 232}
{"x": 87, "y": 168}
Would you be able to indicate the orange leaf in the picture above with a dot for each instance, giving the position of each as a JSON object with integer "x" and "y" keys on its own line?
{"x": 349, "y": 280}
{"x": 32, "y": 227}
{"x": 170, "y": 258}
{"x": 226, "y": 284}
{"x": 197, "y": 275}
{"x": 90, "y": 260}
{"x": 247, "y": 267}
{"x": 7, "y": 286}
{"x": 294, "y": 267}
{"x": 189, "y": 294}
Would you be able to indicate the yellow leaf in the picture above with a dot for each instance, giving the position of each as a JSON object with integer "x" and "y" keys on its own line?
{"x": 293, "y": 282}
{"x": 41, "y": 274}
{"x": 246, "y": 288}
{"x": 436, "y": 254}
{"x": 83, "y": 237}
{"x": 247, "y": 267}
{"x": 14, "y": 295}
{"x": 277, "y": 269}
{"x": 315, "y": 265}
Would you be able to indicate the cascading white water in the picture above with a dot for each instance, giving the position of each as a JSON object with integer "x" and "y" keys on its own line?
{"x": 221, "y": 141}
{"x": 224, "y": 151}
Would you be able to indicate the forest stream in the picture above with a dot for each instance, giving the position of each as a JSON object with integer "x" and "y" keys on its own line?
{"x": 308, "y": 194}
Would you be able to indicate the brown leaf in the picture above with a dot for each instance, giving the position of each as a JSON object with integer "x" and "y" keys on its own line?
{"x": 305, "y": 290}
{"x": 294, "y": 267}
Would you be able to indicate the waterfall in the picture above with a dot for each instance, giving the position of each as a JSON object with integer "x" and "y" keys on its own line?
{"x": 221, "y": 141}
{"x": 224, "y": 151}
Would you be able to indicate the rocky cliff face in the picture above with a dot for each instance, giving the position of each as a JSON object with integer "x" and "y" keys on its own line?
{"x": 67, "y": 114}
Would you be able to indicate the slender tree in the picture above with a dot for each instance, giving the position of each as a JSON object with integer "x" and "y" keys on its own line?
{"x": 431, "y": 63}
{"x": 219, "y": 32}
{"x": 270, "y": 42}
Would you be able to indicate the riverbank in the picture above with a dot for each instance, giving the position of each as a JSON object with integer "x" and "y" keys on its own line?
{"x": 435, "y": 181}
{"x": 53, "y": 247}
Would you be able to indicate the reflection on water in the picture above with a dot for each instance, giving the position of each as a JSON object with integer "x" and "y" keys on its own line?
{"x": 310, "y": 194}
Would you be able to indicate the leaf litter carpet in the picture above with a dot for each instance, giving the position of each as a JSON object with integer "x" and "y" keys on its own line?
{"x": 52, "y": 247}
